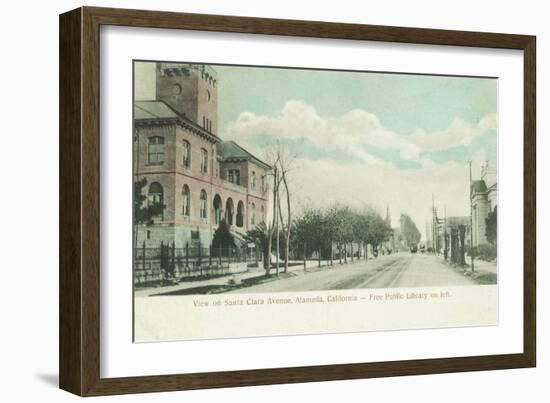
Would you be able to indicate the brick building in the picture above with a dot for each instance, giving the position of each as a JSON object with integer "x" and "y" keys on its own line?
{"x": 200, "y": 178}
{"x": 484, "y": 200}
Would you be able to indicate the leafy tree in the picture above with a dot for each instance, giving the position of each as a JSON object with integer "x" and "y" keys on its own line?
{"x": 409, "y": 231}
{"x": 310, "y": 231}
{"x": 144, "y": 213}
{"x": 319, "y": 229}
{"x": 491, "y": 227}
{"x": 222, "y": 238}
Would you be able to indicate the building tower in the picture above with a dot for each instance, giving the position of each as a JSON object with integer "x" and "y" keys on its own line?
{"x": 191, "y": 90}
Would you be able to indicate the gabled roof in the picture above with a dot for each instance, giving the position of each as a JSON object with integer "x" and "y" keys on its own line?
{"x": 229, "y": 151}
{"x": 479, "y": 186}
{"x": 153, "y": 110}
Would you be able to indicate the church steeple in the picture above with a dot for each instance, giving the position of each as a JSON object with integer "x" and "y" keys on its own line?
{"x": 388, "y": 217}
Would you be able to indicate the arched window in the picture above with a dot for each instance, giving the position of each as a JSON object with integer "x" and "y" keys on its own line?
{"x": 217, "y": 204}
{"x": 155, "y": 151}
{"x": 186, "y": 154}
{"x": 253, "y": 181}
{"x": 229, "y": 211}
{"x": 186, "y": 201}
{"x": 204, "y": 161}
{"x": 253, "y": 215}
{"x": 240, "y": 214}
{"x": 204, "y": 204}
{"x": 156, "y": 194}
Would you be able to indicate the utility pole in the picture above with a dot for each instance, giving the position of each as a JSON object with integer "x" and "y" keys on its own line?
{"x": 445, "y": 242}
{"x": 434, "y": 223}
{"x": 471, "y": 220}
{"x": 277, "y": 222}
{"x": 427, "y": 234}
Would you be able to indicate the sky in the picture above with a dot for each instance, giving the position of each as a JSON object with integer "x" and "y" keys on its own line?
{"x": 361, "y": 138}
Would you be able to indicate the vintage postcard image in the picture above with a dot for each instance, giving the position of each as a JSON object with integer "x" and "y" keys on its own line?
{"x": 283, "y": 201}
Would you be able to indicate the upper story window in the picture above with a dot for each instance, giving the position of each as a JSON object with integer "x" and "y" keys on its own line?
{"x": 204, "y": 160}
{"x": 204, "y": 204}
{"x": 234, "y": 176}
{"x": 186, "y": 154}
{"x": 253, "y": 181}
{"x": 155, "y": 150}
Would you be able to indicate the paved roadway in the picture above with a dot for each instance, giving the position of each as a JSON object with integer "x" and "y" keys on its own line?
{"x": 393, "y": 271}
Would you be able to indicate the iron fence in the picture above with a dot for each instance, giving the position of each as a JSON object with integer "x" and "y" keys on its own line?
{"x": 168, "y": 263}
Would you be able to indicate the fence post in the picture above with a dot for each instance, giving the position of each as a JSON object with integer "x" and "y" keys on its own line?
{"x": 161, "y": 260}
{"x": 220, "y": 254}
{"x": 199, "y": 260}
{"x": 229, "y": 254}
{"x": 352, "y": 252}
{"x": 210, "y": 256}
{"x": 319, "y": 257}
{"x": 187, "y": 255}
{"x": 143, "y": 257}
{"x": 173, "y": 263}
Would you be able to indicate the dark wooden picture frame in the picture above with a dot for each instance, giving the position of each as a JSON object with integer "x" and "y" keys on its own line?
{"x": 79, "y": 280}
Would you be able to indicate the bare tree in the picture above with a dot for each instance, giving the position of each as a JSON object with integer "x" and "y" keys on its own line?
{"x": 282, "y": 163}
{"x": 289, "y": 218}
{"x": 272, "y": 228}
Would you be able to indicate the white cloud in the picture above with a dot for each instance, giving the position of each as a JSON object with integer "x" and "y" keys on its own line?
{"x": 322, "y": 182}
{"x": 458, "y": 133}
{"x": 351, "y": 132}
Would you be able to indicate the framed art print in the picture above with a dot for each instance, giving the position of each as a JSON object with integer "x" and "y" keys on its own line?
{"x": 251, "y": 201}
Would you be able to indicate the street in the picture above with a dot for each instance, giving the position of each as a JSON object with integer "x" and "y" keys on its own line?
{"x": 390, "y": 271}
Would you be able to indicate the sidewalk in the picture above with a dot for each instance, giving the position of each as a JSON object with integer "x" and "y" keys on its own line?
{"x": 483, "y": 266}
{"x": 297, "y": 268}
{"x": 484, "y": 272}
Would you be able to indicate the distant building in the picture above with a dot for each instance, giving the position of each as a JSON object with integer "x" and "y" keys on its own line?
{"x": 200, "y": 178}
{"x": 484, "y": 200}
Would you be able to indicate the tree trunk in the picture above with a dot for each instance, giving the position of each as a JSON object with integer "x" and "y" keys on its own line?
{"x": 280, "y": 212}
{"x": 288, "y": 222}
{"x": 277, "y": 245}
{"x": 345, "y": 253}
{"x": 270, "y": 237}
